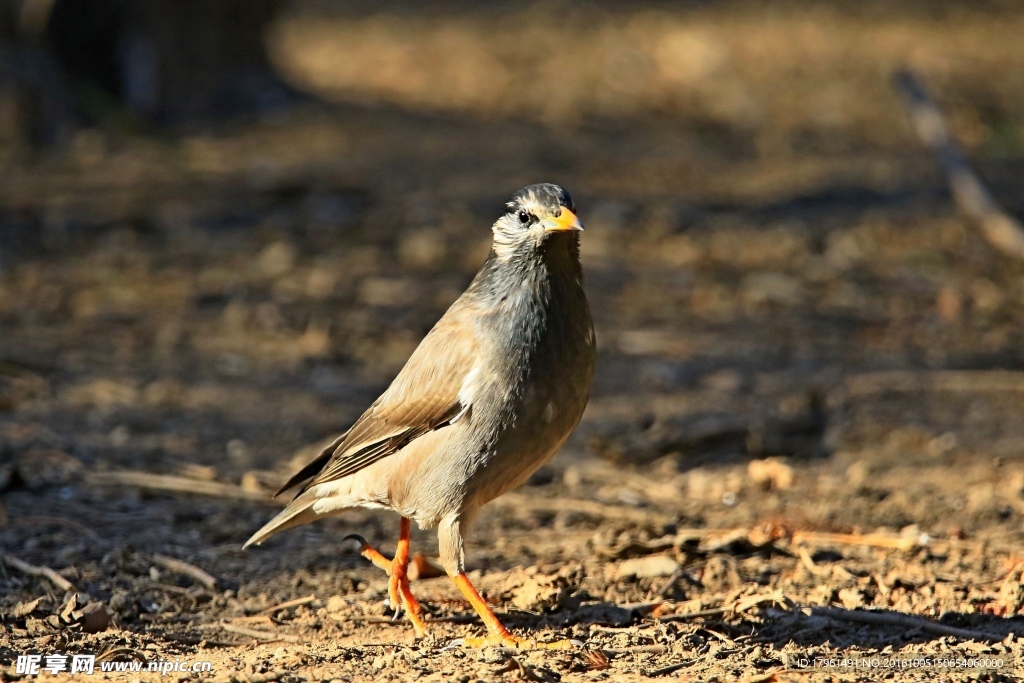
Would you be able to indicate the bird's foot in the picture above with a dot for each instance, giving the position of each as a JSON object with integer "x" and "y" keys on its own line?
{"x": 398, "y": 585}
{"x": 399, "y": 593}
{"x": 506, "y": 640}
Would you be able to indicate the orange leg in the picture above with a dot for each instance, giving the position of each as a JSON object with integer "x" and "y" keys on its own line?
{"x": 400, "y": 579}
{"x": 397, "y": 570}
{"x": 497, "y": 634}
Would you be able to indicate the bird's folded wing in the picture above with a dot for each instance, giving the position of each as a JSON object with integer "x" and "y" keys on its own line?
{"x": 427, "y": 394}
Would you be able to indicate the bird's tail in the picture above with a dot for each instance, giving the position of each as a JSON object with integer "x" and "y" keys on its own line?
{"x": 299, "y": 511}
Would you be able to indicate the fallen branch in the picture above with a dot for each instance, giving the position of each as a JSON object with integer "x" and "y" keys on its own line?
{"x": 297, "y": 602}
{"x": 670, "y": 582}
{"x": 973, "y": 199}
{"x": 870, "y": 540}
{"x": 166, "y": 482}
{"x": 671, "y": 668}
{"x": 906, "y": 621}
{"x": 43, "y": 572}
{"x": 182, "y": 567}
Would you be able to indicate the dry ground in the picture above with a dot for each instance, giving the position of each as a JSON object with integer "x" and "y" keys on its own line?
{"x": 809, "y": 383}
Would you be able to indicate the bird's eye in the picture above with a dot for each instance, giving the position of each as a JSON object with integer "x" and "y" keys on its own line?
{"x": 524, "y": 216}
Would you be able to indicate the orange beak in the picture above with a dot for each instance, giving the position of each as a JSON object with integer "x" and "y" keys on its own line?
{"x": 564, "y": 221}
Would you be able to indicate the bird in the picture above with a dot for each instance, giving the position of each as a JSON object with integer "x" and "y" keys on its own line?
{"x": 490, "y": 394}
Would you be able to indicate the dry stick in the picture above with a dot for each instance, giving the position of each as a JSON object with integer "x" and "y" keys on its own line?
{"x": 972, "y": 198}
{"x": 904, "y": 620}
{"x": 177, "y": 590}
{"x": 165, "y": 482}
{"x": 671, "y": 668}
{"x": 671, "y": 581}
{"x": 871, "y": 540}
{"x": 259, "y": 635}
{"x": 297, "y": 602}
{"x": 44, "y": 572}
{"x": 182, "y": 567}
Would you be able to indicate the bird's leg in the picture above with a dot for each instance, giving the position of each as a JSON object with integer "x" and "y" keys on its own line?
{"x": 399, "y": 581}
{"x": 497, "y": 634}
{"x": 397, "y": 570}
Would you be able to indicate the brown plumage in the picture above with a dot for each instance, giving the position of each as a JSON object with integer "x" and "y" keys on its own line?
{"x": 489, "y": 395}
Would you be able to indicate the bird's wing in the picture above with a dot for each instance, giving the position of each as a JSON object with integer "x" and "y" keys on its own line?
{"x": 430, "y": 392}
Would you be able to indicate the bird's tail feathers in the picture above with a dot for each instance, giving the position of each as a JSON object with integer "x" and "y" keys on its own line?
{"x": 299, "y": 511}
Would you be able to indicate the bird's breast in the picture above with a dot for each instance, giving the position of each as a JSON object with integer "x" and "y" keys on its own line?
{"x": 541, "y": 360}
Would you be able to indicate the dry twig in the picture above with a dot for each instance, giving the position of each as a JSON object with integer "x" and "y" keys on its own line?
{"x": 871, "y": 540}
{"x": 182, "y": 567}
{"x": 671, "y": 668}
{"x": 44, "y": 572}
{"x": 972, "y": 197}
{"x": 166, "y": 482}
{"x": 297, "y": 602}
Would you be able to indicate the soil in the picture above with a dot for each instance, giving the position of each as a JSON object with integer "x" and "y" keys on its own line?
{"x": 808, "y": 393}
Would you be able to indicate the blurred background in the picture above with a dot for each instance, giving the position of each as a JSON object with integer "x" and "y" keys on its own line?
{"x": 224, "y": 226}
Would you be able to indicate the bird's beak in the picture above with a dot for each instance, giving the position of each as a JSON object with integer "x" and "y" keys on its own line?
{"x": 564, "y": 221}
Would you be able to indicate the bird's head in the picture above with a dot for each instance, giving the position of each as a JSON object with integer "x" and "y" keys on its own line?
{"x": 535, "y": 215}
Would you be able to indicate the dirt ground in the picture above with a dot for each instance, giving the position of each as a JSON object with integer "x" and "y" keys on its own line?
{"x": 809, "y": 381}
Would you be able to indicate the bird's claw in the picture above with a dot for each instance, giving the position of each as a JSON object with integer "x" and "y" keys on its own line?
{"x": 454, "y": 645}
{"x": 356, "y": 537}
